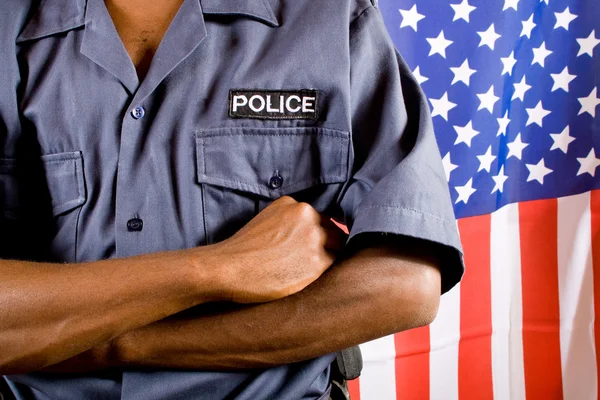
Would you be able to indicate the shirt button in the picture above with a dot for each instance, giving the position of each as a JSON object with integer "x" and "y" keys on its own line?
{"x": 276, "y": 181}
{"x": 135, "y": 225}
{"x": 138, "y": 112}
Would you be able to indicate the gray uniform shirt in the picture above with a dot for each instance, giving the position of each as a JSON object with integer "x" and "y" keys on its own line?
{"x": 245, "y": 101}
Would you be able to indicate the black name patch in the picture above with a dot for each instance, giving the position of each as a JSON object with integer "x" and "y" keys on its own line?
{"x": 274, "y": 104}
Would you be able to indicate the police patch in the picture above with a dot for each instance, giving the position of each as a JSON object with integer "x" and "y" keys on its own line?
{"x": 274, "y": 104}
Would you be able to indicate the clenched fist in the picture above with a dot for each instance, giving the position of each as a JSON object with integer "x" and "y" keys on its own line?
{"x": 286, "y": 247}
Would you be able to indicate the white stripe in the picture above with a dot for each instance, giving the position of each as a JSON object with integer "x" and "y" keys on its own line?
{"x": 508, "y": 370}
{"x": 378, "y": 378}
{"x": 576, "y": 295}
{"x": 444, "y": 335}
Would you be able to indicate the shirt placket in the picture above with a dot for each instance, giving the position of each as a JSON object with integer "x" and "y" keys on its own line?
{"x": 134, "y": 222}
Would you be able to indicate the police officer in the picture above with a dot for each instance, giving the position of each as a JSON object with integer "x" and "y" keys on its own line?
{"x": 168, "y": 171}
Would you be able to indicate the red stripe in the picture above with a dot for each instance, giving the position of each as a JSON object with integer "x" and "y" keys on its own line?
{"x": 341, "y": 226}
{"x": 412, "y": 364}
{"x": 595, "y": 211}
{"x": 475, "y": 346}
{"x": 354, "y": 389}
{"x": 538, "y": 221}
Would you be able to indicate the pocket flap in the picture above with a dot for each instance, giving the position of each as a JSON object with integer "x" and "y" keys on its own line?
{"x": 248, "y": 159}
{"x": 66, "y": 183}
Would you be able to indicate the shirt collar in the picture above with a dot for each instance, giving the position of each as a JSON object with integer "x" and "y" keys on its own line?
{"x": 56, "y": 16}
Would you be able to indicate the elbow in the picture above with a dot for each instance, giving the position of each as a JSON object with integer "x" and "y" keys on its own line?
{"x": 425, "y": 312}
{"x": 418, "y": 298}
{"x": 430, "y": 291}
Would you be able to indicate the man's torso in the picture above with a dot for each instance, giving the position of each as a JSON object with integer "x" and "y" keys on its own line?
{"x": 135, "y": 166}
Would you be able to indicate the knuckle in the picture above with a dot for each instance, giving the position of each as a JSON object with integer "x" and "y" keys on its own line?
{"x": 304, "y": 210}
{"x": 286, "y": 200}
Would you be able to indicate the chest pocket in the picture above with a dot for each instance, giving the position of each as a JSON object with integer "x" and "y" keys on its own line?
{"x": 66, "y": 187}
{"x": 242, "y": 170}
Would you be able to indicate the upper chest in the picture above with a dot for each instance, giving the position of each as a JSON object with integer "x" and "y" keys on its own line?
{"x": 141, "y": 26}
{"x": 201, "y": 58}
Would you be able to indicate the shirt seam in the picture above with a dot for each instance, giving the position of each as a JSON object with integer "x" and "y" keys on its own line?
{"x": 393, "y": 208}
{"x": 298, "y": 135}
{"x": 317, "y": 180}
{"x": 59, "y": 161}
{"x": 248, "y": 131}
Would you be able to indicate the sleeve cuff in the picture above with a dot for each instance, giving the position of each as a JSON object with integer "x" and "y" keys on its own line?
{"x": 419, "y": 225}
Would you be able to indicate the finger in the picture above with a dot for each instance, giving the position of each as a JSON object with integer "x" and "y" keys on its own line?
{"x": 329, "y": 257}
{"x": 284, "y": 200}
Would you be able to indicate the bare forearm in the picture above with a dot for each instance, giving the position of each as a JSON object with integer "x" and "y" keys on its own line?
{"x": 373, "y": 294}
{"x": 50, "y": 312}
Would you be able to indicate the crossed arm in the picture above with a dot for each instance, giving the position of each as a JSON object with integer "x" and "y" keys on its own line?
{"x": 377, "y": 290}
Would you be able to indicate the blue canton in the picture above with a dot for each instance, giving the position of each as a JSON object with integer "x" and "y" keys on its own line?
{"x": 514, "y": 90}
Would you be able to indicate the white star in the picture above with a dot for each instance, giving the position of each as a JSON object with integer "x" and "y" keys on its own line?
{"x": 516, "y": 148}
{"x": 563, "y": 19}
{"x": 545, "y": 1}
{"x": 486, "y": 160}
{"x": 448, "y": 166}
{"x": 520, "y": 89}
{"x": 503, "y": 124}
{"x": 536, "y": 114}
{"x": 462, "y": 10}
{"x": 462, "y": 73}
{"x": 537, "y": 172}
{"x": 442, "y": 106}
{"x": 410, "y": 17}
{"x": 465, "y": 134}
{"x": 489, "y": 37}
{"x": 509, "y": 62}
{"x": 510, "y": 4}
{"x": 562, "y": 80}
{"x": 587, "y": 45}
{"x": 439, "y": 44}
{"x": 588, "y": 164}
{"x": 527, "y": 27}
{"x": 588, "y": 104}
{"x": 488, "y": 100}
{"x": 540, "y": 54}
{"x": 499, "y": 179}
{"x": 465, "y": 192}
{"x": 562, "y": 140}
{"x": 420, "y": 78}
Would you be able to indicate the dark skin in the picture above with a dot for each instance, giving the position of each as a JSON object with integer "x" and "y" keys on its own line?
{"x": 375, "y": 292}
{"x": 96, "y": 302}
{"x": 125, "y": 313}
{"x": 141, "y": 26}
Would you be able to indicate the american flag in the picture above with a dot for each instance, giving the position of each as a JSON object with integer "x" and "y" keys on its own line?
{"x": 514, "y": 90}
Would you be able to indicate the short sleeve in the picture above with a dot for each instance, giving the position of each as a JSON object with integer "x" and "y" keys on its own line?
{"x": 398, "y": 185}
